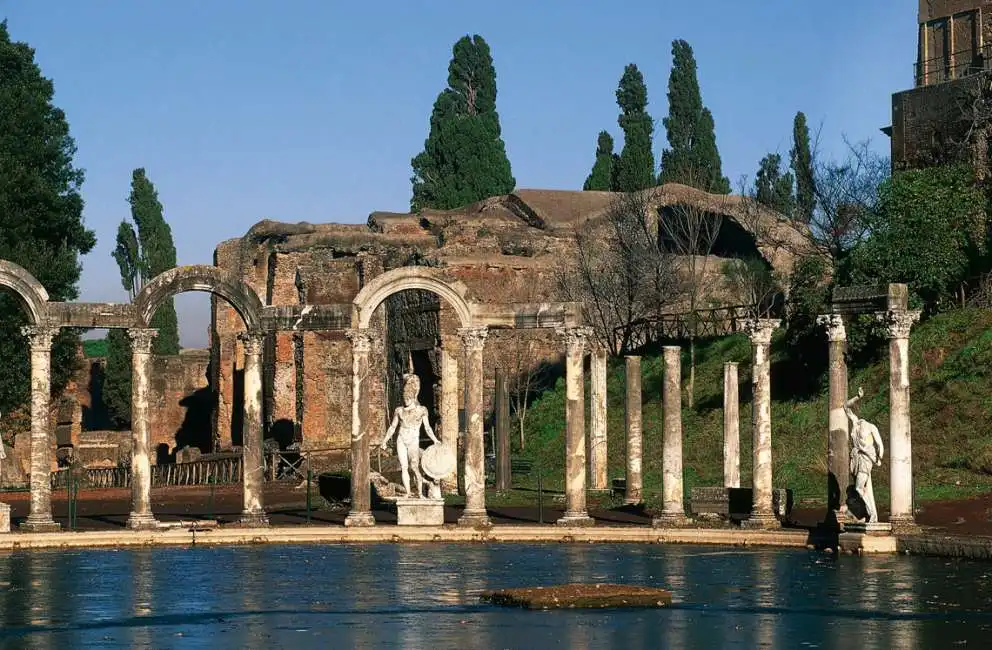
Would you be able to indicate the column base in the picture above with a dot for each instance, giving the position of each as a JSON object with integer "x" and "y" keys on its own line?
{"x": 137, "y": 521}
{"x": 359, "y": 520}
{"x": 576, "y": 520}
{"x": 761, "y": 521}
{"x": 475, "y": 519}
{"x": 40, "y": 525}
{"x": 904, "y": 524}
{"x": 633, "y": 500}
{"x": 671, "y": 520}
{"x": 254, "y": 520}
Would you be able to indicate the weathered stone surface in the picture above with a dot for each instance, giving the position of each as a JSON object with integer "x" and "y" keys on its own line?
{"x": 673, "y": 510}
{"x": 596, "y": 449}
{"x": 4, "y": 518}
{"x": 419, "y": 512}
{"x": 760, "y": 332}
{"x": 40, "y": 516}
{"x": 576, "y": 339}
{"x": 473, "y": 342}
{"x": 634, "y": 486}
{"x": 579, "y": 596}
{"x": 141, "y": 472}
{"x": 731, "y": 426}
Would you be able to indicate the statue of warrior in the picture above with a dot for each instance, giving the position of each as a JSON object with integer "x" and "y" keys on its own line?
{"x": 866, "y": 450}
{"x": 407, "y": 420}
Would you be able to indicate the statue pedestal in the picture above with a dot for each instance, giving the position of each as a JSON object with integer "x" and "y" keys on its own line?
{"x": 873, "y": 528}
{"x": 419, "y": 512}
{"x": 862, "y": 538}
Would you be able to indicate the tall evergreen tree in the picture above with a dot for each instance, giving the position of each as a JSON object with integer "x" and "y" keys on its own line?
{"x": 693, "y": 157}
{"x": 772, "y": 187}
{"x": 601, "y": 176}
{"x": 117, "y": 373}
{"x": 158, "y": 254}
{"x": 801, "y": 158}
{"x": 464, "y": 158}
{"x": 634, "y": 168}
{"x": 41, "y": 211}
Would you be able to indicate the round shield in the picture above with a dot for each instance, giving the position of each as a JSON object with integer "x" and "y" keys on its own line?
{"x": 437, "y": 461}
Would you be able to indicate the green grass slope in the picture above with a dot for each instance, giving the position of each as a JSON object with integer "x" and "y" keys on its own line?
{"x": 951, "y": 398}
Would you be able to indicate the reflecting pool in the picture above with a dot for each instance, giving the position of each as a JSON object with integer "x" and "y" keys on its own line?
{"x": 427, "y": 596}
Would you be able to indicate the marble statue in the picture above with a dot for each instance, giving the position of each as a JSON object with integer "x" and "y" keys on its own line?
{"x": 866, "y": 450}
{"x": 407, "y": 420}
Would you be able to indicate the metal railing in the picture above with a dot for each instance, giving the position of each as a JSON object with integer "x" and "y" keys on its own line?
{"x": 948, "y": 68}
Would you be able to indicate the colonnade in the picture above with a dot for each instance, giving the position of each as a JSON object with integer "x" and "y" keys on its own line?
{"x": 141, "y": 516}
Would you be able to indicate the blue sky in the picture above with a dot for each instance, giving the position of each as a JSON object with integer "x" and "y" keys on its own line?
{"x": 310, "y": 110}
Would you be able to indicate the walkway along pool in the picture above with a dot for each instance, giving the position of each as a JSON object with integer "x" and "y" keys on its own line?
{"x": 427, "y": 595}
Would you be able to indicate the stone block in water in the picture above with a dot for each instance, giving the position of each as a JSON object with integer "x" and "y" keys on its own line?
{"x": 577, "y": 596}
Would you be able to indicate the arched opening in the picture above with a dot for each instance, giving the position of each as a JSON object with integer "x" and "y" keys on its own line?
{"x": 28, "y": 292}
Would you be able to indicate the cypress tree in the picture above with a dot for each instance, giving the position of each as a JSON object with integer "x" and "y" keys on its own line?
{"x": 464, "y": 158}
{"x": 634, "y": 169}
{"x": 117, "y": 373}
{"x": 158, "y": 254}
{"x": 772, "y": 187}
{"x": 693, "y": 157}
{"x": 801, "y": 158}
{"x": 41, "y": 212}
{"x": 601, "y": 177}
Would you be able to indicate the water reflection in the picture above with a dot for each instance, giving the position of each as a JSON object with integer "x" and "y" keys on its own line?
{"x": 414, "y": 596}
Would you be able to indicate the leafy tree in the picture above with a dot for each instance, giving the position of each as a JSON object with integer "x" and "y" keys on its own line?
{"x": 693, "y": 156}
{"x": 157, "y": 255}
{"x": 801, "y": 158}
{"x": 464, "y": 158}
{"x": 41, "y": 220}
{"x": 772, "y": 187}
{"x": 928, "y": 230}
{"x": 601, "y": 177}
{"x": 634, "y": 168}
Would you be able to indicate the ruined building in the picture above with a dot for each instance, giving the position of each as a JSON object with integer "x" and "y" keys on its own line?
{"x": 506, "y": 249}
{"x": 934, "y": 121}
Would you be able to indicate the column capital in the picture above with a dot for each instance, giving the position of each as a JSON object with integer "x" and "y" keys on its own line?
{"x": 759, "y": 330}
{"x": 473, "y": 338}
{"x": 576, "y": 338}
{"x": 733, "y": 364}
{"x": 834, "y": 324}
{"x": 898, "y": 321}
{"x": 141, "y": 339}
{"x": 252, "y": 341}
{"x": 40, "y": 336}
{"x": 362, "y": 339}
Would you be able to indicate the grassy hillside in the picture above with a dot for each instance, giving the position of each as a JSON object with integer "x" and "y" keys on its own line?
{"x": 951, "y": 415}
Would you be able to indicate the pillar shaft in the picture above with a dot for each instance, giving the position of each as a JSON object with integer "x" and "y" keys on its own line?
{"x": 575, "y": 428}
{"x": 502, "y": 428}
{"x": 40, "y": 515}
{"x": 253, "y": 513}
{"x": 762, "y": 515}
{"x": 900, "y": 431}
{"x": 473, "y": 341}
{"x": 449, "y": 410}
{"x": 141, "y": 516}
{"x": 731, "y": 426}
{"x": 596, "y": 449}
{"x": 673, "y": 509}
{"x": 634, "y": 440}
{"x": 361, "y": 429}
{"x": 838, "y": 445}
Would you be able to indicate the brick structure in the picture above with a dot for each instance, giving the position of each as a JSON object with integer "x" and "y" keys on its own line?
{"x": 506, "y": 249}
{"x": 954, "y": 56}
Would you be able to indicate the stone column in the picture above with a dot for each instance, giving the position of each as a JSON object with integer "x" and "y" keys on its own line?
{"x": 449, "y": 411}
{"x": 141, "y": 517}
{"x": 838, "y": 445}
{"x": 900, "y": 430}
{"x": 673, "y": 497}
{"x": 597, "y": 447}
{"x": 473, "y": 341}
{"x": 731, "y": 427}
{"x": 40, "y": 515}
{"x": 634, "y": 490}
{"x": 575, "y": 428}
{"x": 502, "y": 430}
{"x": 361, "y": 429}
{"x": 253, "y": 513}
{"x": 762, "y": 516}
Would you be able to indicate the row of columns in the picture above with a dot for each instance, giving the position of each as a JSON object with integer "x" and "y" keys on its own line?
{"x": 141, "y": 516}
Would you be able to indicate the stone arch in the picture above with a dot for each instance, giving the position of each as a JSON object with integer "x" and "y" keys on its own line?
{"x": 200, "y": 277}
{"x": 409, "y": 277}
{"x": 30, "y": 293}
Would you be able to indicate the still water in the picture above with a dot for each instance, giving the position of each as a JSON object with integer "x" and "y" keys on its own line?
{"x": 426, "y": 596}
